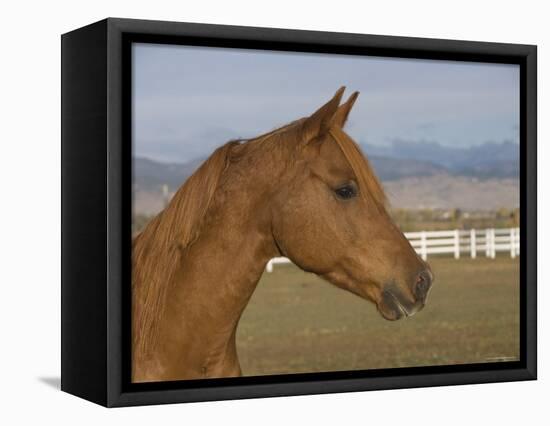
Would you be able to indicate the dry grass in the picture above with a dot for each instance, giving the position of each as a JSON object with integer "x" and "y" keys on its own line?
{"x": 296, "y": 322}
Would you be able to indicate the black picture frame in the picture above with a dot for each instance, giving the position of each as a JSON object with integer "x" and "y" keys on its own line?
{"x": 96, "y": 211}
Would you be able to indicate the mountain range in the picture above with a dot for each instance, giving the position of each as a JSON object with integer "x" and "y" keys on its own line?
{"x": 397, "y": 161}
{"x": 488, "y": 160}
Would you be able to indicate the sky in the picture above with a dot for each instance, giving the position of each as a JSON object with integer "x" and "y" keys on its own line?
{"x": 189, "y": 100}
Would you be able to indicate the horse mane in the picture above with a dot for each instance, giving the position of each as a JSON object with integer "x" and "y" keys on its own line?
{"x": 368, "y": 183}
{"x": 157, "y": 249}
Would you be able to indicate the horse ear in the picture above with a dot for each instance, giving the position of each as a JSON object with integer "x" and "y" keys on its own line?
{"x": 343, "y": 111}
{"x": 321, "y": 120}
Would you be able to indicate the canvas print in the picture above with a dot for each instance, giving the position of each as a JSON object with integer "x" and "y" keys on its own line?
{"x": 303, "y": 212}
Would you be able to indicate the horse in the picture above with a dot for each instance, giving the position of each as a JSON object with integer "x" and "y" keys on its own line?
{"x": 304, "y": 191}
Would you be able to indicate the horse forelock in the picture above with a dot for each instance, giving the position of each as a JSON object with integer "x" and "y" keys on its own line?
{"x": 369, "y": 185}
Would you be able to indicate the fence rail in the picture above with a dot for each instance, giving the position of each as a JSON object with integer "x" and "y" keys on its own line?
{"x": 472, "y": 243}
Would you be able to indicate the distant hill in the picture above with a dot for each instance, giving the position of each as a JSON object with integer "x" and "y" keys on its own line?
{"x": 151, "y": 175}
{"x": 446, "y": 192}
{"x": 487, "y": 160}
{"x": 415, "y": 175}
{"x": 389, "y": 169}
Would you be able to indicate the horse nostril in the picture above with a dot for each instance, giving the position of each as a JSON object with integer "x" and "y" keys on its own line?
{"x": 422, "y": 284}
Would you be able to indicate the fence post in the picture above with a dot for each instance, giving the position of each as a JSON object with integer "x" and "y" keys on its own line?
{"x": 493, "y": 248}
{"x": 165, "y": 195}
{"x": 457, "y": 244}
{"x": 423, "y": 246}
{"x": 269, "y": 266}
{"x": 487, "y": 243}
{"x": 473, "y": 243}
{"x": 512, "y": 243}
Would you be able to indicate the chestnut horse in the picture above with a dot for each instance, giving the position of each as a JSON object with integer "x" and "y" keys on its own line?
{"x": 304, "y": 191}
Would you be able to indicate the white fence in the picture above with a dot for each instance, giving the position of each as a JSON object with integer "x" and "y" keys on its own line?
{"x": 472, "y": 243}
{"x": 475, "y": 242}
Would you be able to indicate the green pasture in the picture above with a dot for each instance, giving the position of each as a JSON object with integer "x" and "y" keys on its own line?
{"x": 296, "y": 322}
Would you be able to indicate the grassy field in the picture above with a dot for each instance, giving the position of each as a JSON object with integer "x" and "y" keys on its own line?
{"x": 296, "y": 322}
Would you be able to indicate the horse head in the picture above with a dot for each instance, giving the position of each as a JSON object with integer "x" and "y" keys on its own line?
{"x": 329, "y": 216}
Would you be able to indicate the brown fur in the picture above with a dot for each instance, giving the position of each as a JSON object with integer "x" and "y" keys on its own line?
{"x": 157, "y": 250}
{"x": 197, "y": 263}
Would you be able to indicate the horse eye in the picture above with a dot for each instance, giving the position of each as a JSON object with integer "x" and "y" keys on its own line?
{"x": 346, "y": 192}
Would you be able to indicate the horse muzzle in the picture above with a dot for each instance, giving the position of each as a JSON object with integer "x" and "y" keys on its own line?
{"x": 394, "y": 304}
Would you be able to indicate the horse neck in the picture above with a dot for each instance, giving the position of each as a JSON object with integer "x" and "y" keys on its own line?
{"x": 223, "y": 266}
{"x": 212, "y": 285}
